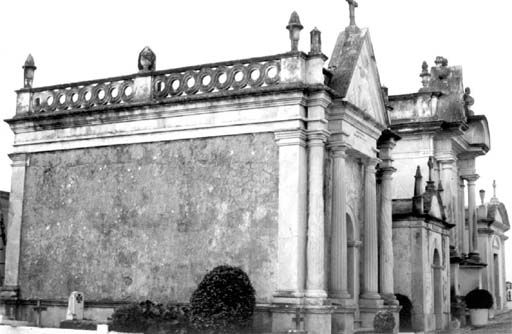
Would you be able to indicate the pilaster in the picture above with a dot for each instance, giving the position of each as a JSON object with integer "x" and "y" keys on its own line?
{"x": 370, "y": 295}
{"x": 472, "y": 221}
{"x": 12, "y": 256}
{"x": 315, "y": 253}
{"x": 386, "y": 259}
{"x": 338, "y": 287}
{"x": 461, "y": 226}
{"x": 292, "y": 216}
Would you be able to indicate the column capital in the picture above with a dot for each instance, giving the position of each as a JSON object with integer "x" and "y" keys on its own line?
{"x": 370, "y": 163}
{"x": 18, "y": 159}
{"x": 292, "y": 137}
{"x": 471, "y": 178}
{"x": 338, "y": 148}
{"x": 317, "y": 137}
{"x": 387, "y": 171}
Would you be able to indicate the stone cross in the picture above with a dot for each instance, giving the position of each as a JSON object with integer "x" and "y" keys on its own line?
{"x": 297, "y": 319}
{"x": 430, "y": 167}
{"x": 352, "y": 7}
{"x": 75, "y": 306}
{"x": 494, "y": 188}
{"x": 38, "y": 309}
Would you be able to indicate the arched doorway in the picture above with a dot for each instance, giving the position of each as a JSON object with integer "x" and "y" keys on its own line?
{"x": 496, "y": 273}
{"x": 437, "y": 289}
{"x": 405, "y": 313}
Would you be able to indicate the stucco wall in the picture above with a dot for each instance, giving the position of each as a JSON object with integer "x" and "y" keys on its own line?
{"x": 149, "y": 220}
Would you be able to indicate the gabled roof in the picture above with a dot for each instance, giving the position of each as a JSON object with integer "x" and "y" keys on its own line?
{"x": 355, "y": 76}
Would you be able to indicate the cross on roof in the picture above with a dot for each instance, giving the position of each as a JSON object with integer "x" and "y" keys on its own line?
{"x": 352, "y": 7}
{"x": 494, "y": 188}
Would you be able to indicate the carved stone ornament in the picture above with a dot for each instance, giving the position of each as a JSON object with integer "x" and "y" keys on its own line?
{"x": 147, "y": 60}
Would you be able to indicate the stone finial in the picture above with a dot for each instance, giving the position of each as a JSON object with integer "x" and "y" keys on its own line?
{"x": 442, "y": 67}
{"x": 147, "y": 60}
{"x": 417, "y": 182}
{"x": 28, "y": 71}
{"x": 425, "y": 75}
{"x": 440, "y": 186}
{"x": 352, "y": 5}
{"x": 294, "y": 27}
{"x": 494, "y": 199}
{"x": 417, "y": 200}
{"x": 468, "y": 102}
{"x": 316, "y": 42}
{"x": 482, "y": 196}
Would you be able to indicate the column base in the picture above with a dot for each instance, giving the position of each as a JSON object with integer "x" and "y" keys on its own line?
{"x": 370, "y": 295}
{"x": 321, "y": 294}
{"x": 389, "y": 299}
{"x": 339, "y": 295}
{"x": 288, "y": 297}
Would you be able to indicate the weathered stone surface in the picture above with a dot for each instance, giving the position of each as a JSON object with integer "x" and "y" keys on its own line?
{"x": 149, "y": 220}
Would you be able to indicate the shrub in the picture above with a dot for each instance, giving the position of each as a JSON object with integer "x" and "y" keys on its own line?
{"x": 479, "y": 298}
{"x": 223, "y": 300}
{"x": 384, "y": 322}
{"x": 149, "y": 317}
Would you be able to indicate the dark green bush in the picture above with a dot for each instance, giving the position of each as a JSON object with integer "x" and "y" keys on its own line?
{"x": 149, "y": 317}
{"x": 479, "y": 298}
{"x": 384, "y": 322}
{"x": 223, "y": 300}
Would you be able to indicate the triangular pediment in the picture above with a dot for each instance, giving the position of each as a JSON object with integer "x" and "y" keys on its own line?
{"x": 356, "y": 76}
{"x": 364, "y": 90}
{"x": 435, "y": 208}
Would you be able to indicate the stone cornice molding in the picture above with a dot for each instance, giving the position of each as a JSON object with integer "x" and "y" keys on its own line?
{"x": 292, "y": 137}
{"x": 319, "y": 99}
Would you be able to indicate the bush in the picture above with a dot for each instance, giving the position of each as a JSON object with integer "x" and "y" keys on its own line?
{"x": 149, "y": 317}
{"x": 223, "y": 300}
{"x": 479, "y": 298}
{"x": 384, "y": 322}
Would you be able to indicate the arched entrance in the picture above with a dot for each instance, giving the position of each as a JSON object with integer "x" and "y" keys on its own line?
{"x": 437, "y": 289}
{"x": 405, "y": 313}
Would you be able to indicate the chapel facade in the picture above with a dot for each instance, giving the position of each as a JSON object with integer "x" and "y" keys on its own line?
{"x": 302, "y": 172}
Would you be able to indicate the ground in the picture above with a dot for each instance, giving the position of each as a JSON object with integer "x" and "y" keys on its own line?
{"x": 501, "y": 324}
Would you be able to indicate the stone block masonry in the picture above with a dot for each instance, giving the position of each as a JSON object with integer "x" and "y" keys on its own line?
{"x": 149, "y": 220}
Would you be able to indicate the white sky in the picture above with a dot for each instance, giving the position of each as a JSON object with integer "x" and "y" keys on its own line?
{"x": 81, "y": 40}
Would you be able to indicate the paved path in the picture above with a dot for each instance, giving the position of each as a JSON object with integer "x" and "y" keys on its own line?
{"x": 501, "y": 324}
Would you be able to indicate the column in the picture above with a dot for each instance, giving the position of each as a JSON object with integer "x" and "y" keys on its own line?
{"x": 386, "y": 224}
{"x": 472, "y": 222}
{"x": 463, "y": 247}
{"x": 370, "y": 242}
{"x": 316, "y": 279}
{"x": 12, "y": 253}
{"x": 339, "y": 265}
{"x": 292, "y": 215}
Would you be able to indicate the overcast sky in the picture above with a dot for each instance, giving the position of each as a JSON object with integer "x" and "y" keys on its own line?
{"x": 81, "y": 40}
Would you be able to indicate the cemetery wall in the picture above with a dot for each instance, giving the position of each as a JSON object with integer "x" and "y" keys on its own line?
{"x": 147, "y": 221}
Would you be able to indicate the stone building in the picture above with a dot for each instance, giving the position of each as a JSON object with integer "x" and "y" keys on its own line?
{"x": 493, "y": 222}
{"x": 441, "y": 237}
{"x": 133, "y": 187}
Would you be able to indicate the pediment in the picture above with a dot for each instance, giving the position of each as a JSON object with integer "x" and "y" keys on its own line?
{"x": 364, "y": 90}
{"x": 435, "y": 209}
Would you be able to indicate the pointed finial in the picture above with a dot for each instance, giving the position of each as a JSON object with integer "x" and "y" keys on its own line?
{"x": 441, "y": 61}
{"x": 430, "y": 167}
{"x": 147, "y": 60}
{"x": 316, "y": 42}
{"x": 352, "y": 8}
{"x": 440, "y": 186}
{"x": 294, "y": 27}
{"x": 494, "y": 188}
{"x": 425, "y": 75}
{"x": 417, "y": 182}
{"x": 28, "y": 71}
{"x": 482, "y": 196}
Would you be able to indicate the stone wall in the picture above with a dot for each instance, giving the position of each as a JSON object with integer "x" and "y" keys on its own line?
{"x": 147, "y": 221}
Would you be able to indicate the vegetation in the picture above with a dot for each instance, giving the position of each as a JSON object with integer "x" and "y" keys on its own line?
{"x": 223, "y": 300}
{"x": 479, "y": 298}
{"x": 384, "y": 322}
